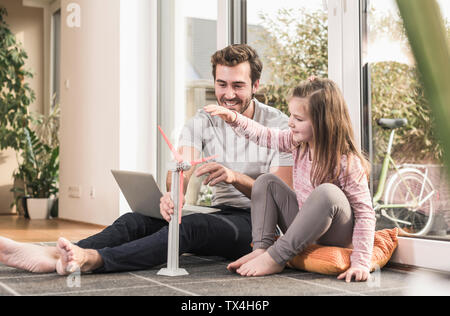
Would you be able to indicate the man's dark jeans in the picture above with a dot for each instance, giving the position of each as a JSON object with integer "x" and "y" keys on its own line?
{"x": 137, "y": 242}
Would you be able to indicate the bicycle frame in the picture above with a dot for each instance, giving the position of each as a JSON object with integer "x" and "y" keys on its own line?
{"x": 384, "y": 170}
{"x": 417, "y": 202}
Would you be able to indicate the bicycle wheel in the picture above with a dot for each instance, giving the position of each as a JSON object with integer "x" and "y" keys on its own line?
{"x": 403, "y": 188}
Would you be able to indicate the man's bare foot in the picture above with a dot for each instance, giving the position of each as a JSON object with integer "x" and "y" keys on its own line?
{"x": 29, "y": 257}
{"x": 259, "y": 266}
{"x": 73, "y": 258}
{"x": 238, "y": 263}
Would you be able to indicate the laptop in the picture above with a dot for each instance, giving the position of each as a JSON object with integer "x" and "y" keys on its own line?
{"x": 143, "y": 194}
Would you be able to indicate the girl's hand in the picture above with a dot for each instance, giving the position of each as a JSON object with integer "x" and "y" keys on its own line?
{"x": 361, "y": 274}
{"x": 225, "y": 114}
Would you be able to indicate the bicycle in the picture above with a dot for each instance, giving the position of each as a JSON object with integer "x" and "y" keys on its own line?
{"x": 408, "y": 195}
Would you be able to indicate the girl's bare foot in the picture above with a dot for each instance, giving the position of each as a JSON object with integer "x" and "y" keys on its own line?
{"x": 238, "y": 263}
{"x": 73, "y": 258}
{"x": 259, "y": 266}
{"x": 29, "y": 257}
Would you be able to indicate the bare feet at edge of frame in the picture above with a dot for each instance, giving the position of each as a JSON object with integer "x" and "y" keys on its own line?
{"x": 27, "y": 256}
{"x": 233, "y": 266}
{"x": 73, "y": 258}
{"x": 260, "y": 266}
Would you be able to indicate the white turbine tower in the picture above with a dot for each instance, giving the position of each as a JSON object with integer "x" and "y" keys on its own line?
{"x": 177, "y": 190}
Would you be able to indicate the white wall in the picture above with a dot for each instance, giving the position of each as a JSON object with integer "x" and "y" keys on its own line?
{"x": 108, "y": 112}
{"x": 90, "y": 101}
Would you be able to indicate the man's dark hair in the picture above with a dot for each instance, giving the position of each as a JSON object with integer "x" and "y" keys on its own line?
{"x": 236, "y": 54}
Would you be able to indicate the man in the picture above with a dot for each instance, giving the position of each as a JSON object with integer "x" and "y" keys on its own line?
{"x": 134, "y": 241}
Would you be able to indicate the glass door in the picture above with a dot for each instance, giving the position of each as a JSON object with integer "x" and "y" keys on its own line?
{"x": 187, "y": 39}
{"x": 417, "y": 189}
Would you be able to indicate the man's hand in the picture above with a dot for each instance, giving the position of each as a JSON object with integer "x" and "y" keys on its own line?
{"x": 225, "y": 114}
{"x": 217, "y": 173}
{"x": 166, "y": 206}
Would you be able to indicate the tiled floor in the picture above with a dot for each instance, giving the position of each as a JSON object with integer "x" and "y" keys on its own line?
{"x": 207, "y": 277}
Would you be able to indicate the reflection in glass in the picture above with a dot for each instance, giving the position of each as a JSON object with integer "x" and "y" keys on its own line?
{"x": 200, "y": 17}
{"x": 201, "y": 34}
{"x": 291, "y": 36}
{"x": 396, "y": 92}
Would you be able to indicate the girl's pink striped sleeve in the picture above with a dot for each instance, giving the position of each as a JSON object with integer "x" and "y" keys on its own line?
{"x": 356, "y": 188}
{"x": 273, "y": 138}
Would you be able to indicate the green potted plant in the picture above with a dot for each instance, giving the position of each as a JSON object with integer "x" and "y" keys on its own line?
{"x": 16, "y": 95}
{"x": 39, "y": 165}
{"x": 33, "y": 137}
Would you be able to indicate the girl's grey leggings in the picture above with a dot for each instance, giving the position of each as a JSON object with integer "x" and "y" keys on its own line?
{"x": 325, "y": 218}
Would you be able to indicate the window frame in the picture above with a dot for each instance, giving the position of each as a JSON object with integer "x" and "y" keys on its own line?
{"x": 55, "y": 58}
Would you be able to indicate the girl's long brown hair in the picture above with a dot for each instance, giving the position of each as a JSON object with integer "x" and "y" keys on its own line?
{"x": 332, "y": 130}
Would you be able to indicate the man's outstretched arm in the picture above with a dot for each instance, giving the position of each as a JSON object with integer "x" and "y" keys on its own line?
{"x": 243, "y": 183}
{"x": 218, "y": 173}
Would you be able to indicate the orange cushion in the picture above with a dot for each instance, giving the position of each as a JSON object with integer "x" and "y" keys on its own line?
{"x": 335, "y": 260}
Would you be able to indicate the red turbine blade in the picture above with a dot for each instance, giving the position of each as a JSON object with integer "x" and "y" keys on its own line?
{"x": 175, "y": 153}
{"x": 180, "y": 202}
{"x": 196, "y": 162}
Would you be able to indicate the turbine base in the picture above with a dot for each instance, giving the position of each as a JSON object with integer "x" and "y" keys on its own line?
{"x": 172, "y": 272}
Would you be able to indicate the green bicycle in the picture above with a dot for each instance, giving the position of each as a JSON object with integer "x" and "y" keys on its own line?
{"x": 408, "y": 197}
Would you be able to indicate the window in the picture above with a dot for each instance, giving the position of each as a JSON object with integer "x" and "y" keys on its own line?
{"x": 291, "y": 37}
{"x": 188, "y": 38}
{"x": 396, "y": 92}
{"x": 201, "y": 42}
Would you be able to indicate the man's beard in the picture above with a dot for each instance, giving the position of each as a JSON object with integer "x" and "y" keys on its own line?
{"x": 239, "y": 101}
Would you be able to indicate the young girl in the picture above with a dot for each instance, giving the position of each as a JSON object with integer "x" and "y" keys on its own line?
{"x": 331, "y": 204}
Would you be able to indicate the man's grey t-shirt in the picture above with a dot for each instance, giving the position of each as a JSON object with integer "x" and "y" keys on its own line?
{"x": 213, "y": 136}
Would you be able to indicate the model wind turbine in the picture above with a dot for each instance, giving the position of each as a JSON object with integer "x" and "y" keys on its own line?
{"x": 177, "y": 189}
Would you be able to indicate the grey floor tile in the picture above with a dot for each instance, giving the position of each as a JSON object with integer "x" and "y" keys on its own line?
{"x": 380, "y": 281}
{"x": 386, "y": 292}
{"x": 199, "y": 269}
{"x": 53, "y": 283}
{"x": 5, "y": 290}
{"x": 257, "y": 286}
{"x": 133, "y": 291}
{"x": 209, "y": 276}
{"x": 8, "y": 273}
{"x": 4, "y": 268}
